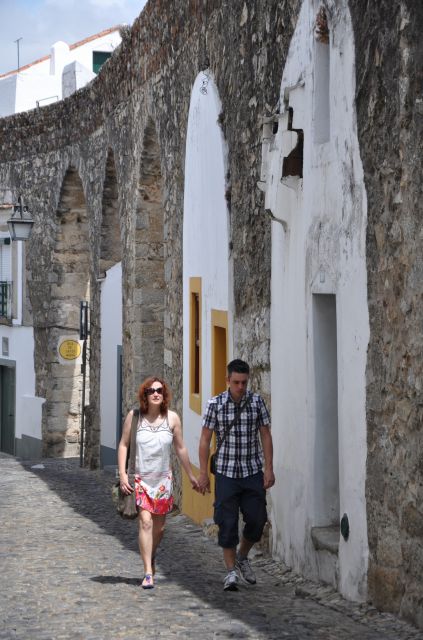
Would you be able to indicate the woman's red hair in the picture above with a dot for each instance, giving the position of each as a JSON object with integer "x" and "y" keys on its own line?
{"x": 142, "y": 395}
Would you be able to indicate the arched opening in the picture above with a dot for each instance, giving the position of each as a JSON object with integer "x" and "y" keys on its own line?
{"x": 70, "y": 285}
{"x": 149, "y": 285}
{"x": 110, "y": 246}
{"x": 207, "y": 281}
{"x": 110, "y": 365}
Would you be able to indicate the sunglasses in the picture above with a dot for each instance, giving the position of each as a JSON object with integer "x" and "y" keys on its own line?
{"x": 150, "y": 391}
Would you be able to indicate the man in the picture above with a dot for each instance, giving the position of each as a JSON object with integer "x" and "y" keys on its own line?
{"x": 240, "y": 482}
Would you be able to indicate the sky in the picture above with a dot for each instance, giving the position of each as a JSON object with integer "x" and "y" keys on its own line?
{"x": 41, "y": 23}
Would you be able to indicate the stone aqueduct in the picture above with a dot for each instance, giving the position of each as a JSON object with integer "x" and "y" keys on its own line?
{"x": 103, "y": 172}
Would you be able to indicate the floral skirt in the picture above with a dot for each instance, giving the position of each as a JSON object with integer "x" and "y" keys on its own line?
{"x": 156, "y": 497}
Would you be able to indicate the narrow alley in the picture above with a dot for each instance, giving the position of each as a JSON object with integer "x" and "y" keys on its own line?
{"x": 70, "y": 570}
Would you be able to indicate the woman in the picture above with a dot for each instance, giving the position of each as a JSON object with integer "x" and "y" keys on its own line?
{"x": 157, "y": 429}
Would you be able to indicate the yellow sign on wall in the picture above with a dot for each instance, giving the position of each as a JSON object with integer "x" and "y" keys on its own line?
{"x": 69, "y": 349}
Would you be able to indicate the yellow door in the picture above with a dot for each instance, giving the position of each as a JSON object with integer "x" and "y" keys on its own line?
{"x": 196, "y": 506}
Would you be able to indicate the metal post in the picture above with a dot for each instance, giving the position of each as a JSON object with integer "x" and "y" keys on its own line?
{"x": 17, "y": 43}
{"x": 83, "y": 371}
{"x": 83, "y": 335}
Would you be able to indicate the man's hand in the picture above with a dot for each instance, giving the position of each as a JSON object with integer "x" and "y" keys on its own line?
{"x": 268, "y": 478}
{"x": 204, "y": 482}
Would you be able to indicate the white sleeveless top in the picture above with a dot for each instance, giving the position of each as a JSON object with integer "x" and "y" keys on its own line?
{"x": 153, "y": 445}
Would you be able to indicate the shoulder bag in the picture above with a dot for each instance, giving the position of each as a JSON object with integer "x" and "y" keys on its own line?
{"x": 125, "y": 504}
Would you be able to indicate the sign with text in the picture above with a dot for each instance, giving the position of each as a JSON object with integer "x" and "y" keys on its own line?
{"x": 69, "y": 350}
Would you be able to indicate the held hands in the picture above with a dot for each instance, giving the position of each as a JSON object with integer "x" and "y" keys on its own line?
{"x": 125, "y": 487}
{"x": 194, "y": 483}
{"x": 204, "y": 482}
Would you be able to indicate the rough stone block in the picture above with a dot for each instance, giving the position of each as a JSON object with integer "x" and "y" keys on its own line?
{"x": 386, "y": 588}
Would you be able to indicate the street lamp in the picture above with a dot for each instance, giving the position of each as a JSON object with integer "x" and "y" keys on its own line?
{"x": 20, "y": 224}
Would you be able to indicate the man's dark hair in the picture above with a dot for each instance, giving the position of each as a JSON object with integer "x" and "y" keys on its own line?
{"x": 238, "y": 366}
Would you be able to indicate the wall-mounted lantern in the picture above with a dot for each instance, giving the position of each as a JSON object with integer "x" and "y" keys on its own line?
{"x": 21, "y": 222}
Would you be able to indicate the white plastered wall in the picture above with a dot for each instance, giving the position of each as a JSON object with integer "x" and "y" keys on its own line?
{"x": 21, "y": 344}
{"x": 111, "y": 337}
{"x": 205, "y": 237}
{"x": 28, "y": 407}
{"x": 318, "y": 248}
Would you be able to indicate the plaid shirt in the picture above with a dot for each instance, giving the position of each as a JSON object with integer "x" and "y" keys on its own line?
{"x": 240, "y": 454}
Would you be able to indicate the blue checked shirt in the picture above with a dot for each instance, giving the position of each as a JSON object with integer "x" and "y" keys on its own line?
{"x": 240, "y": 454}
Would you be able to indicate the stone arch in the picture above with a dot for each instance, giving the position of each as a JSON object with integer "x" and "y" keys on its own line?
{"x": 70, "y": 284}
{"x": 149, "y": 283}
{"x": 110, "y": 243}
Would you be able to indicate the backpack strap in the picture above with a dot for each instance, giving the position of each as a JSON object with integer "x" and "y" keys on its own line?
{"x": 229, "y": 427}
{"x": 133, "y": 446}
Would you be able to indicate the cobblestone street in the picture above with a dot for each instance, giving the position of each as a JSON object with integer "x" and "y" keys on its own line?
{"x": 70, "y": 569}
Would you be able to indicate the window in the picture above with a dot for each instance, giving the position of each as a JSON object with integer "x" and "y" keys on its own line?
{"x": 5, "y": 278}
{"x": 195, "y": 345}
{"x": 219, "y": 350}
{"x": 99, "y": 58}
{"x": 321, "y": 79}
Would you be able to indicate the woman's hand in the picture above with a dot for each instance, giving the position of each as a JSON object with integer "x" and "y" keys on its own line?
{"x": 125, "y": 487}
{"x": 194, "y": 483}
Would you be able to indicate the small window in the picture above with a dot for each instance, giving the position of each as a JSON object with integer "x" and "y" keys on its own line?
{"x": 5, "y": 260}
{"x": 321, "y": 79}
{"x": 219, "y": 350}
{"x": 99, "y": 58}
{"x": 195, "y": 345}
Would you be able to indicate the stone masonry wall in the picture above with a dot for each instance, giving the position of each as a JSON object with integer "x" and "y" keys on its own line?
{"x": 149, "y": 79}
{"x": 389, "y": 67}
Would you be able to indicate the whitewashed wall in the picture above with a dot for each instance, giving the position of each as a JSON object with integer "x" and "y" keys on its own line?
{"x": 7, "y": 95}
{"x": 84, "y": 53}
{"x": 28, "y": 406}
{"x": 111, "y": 337}
{"x": 205, "y": 236}
{"x": 319, "y": 249}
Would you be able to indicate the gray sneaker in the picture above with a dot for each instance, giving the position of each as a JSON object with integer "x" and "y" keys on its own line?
{"x": 245, "y": 571}
{"x": 230, "y": 582}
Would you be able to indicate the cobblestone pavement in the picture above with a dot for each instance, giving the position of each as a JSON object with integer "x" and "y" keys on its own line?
{"x": 70, "y": 569}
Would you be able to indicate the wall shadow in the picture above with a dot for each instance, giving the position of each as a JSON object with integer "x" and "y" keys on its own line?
{"x": 185, "y": 552}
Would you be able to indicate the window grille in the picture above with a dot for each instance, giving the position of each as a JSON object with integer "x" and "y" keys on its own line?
{"x": 5, "y": 299}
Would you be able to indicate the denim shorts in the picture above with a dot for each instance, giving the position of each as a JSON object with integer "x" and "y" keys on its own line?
{"x": 235, "y": 495}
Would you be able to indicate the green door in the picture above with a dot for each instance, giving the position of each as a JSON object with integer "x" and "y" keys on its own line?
{"x": 7, "y": 409}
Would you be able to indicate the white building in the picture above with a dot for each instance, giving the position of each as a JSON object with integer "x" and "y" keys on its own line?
{"x": 111, "y": 364}
{"x": 207, "y": 288}
{"x": 312, "y": 178}
{"x": 313, "y": 181}
{"x": 58, "y": 75}
{"x": 47, "y": 80}
{"x": 20, "y": 408}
